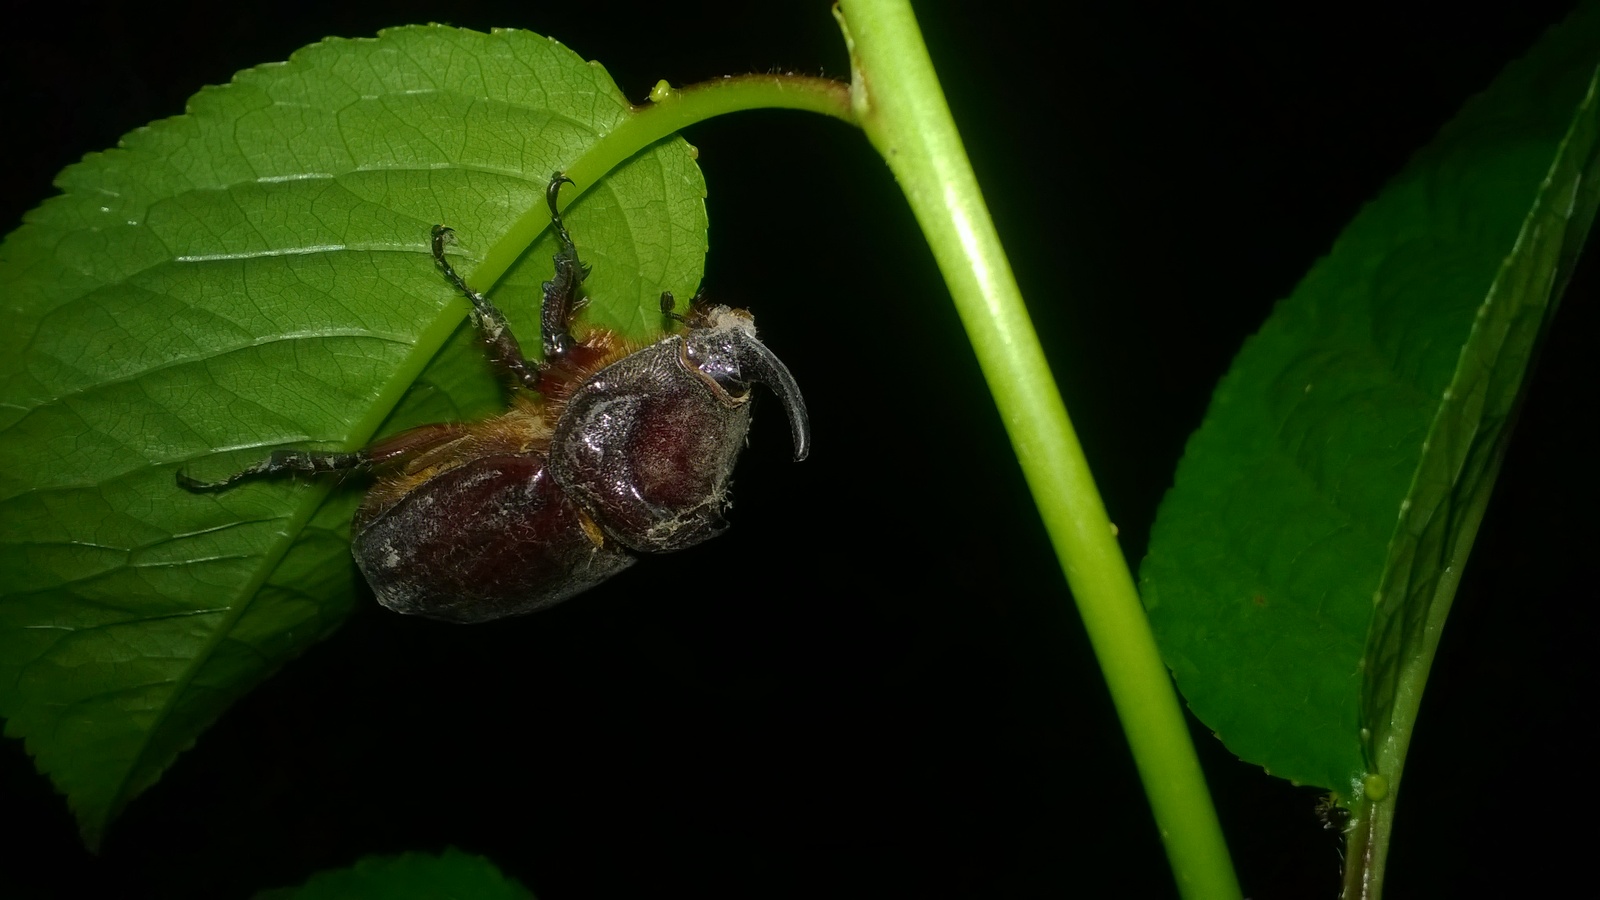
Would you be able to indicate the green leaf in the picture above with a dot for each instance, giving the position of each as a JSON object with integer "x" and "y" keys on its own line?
{"x": 251, "y": 275}
{"x": 413, "y": 876}
{"x": 1301, "y": 567}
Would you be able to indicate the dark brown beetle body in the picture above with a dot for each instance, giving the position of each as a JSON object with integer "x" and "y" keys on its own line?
{"x": 492, "y": 538}
{"x": 609, "y": 453}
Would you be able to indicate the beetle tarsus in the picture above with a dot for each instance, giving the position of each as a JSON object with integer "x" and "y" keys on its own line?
{"x": 561, "y": 291}
{"x": 281, "y": 462}
{"x": 443, "y": 236}
{"x": 699, "y": 309}
{"x": 668, "y": 304}
{"x": 504, "y": 350}
{"x": 552, "y": 194}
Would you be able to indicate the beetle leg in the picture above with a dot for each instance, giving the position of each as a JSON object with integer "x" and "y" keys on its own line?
{"x": 504, "y": 351}
{"x": 561, "y": 291}
{"x": 669, "y": 303}
{"x": 699, "y": 309}
{"x": 282, "y": 462}
{"x": 405, "y": 445}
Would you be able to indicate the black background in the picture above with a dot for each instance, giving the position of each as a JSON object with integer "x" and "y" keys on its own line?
{"x": 875, "y": 685}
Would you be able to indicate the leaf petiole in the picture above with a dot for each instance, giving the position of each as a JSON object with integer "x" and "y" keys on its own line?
{"x": 669, "y": 111}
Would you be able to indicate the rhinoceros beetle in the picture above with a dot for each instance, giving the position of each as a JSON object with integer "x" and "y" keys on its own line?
{"x": 606, "y": 450}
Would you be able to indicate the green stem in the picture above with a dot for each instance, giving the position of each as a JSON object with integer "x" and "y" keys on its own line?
{"x": 670, "y": 111}
{"x": 895, "y": 96}
{"x": 899, "y": 103}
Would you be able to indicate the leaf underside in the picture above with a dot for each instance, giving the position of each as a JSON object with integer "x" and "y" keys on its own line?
{"x": 251, "y": 275}
{"x": 412, "y": 876}
{"x": 1301, "y": 567}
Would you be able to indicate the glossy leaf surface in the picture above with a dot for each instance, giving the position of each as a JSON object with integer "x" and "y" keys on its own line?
{"x": 252, "y": 275}
{"x": 1301, "y": 568}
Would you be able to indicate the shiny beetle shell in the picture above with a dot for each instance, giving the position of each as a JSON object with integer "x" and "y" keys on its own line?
{"x": 639, "y": 460}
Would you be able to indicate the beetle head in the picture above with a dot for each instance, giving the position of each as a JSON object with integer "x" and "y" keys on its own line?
{"x": 721, "y": 349}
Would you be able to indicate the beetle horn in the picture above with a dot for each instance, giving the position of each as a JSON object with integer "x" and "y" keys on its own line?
{"x": 757, "y": 363}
